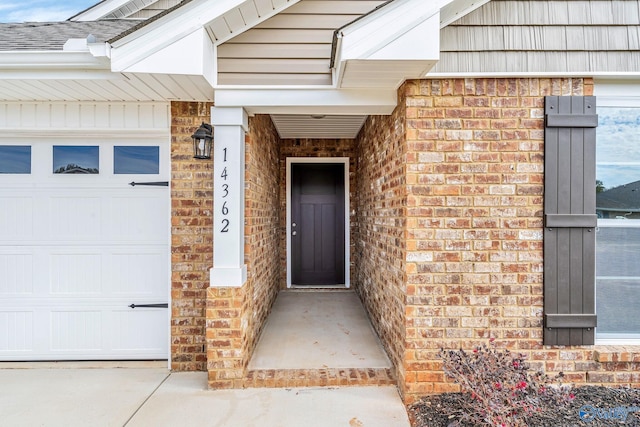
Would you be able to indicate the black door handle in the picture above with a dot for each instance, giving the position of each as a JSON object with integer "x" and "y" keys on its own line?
{"x": 165, "y": 305}
{"x": 156, "y": 184}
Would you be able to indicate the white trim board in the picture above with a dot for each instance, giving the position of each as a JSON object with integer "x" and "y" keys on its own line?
{"x": 347, "y": 227}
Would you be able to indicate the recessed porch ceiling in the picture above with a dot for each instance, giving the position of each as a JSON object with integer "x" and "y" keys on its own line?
{"x": 291, "y": 126}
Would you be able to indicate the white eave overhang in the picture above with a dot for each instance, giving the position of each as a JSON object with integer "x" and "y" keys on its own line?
{"x": 184, "y": 42}
{"x": 396, "y": 42}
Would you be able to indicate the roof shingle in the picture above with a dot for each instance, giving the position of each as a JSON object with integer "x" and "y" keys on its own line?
{"x": 53, "y": 35}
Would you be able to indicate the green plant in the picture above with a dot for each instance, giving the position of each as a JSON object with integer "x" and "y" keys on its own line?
{"x": 499, "y": 388}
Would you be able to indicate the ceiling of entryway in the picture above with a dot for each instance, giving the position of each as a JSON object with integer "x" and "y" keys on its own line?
{"x": 317, "y": 126}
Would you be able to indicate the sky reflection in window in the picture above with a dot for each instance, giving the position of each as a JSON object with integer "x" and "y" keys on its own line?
{"x": 136, "y": 160}
{"x": 15, "y": 159}
{"x": 68, "y": 159}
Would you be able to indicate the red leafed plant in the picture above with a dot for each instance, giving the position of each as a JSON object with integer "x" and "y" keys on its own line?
{"x": 498, "y": 387}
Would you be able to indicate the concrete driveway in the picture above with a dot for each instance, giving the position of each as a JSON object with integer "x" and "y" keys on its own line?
{"x": 76, "y": 395}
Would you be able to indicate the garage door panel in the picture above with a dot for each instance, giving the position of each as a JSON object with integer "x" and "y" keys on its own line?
{"x": 16, "y": 219}
{"x": 76, "y": 272}
{"x": 16, "y": 273}
{"x": 74, "y": 330}
{"x": 75, "y": 252}
{"x": 16, "y": 331}
{"x": 75, "y": 218}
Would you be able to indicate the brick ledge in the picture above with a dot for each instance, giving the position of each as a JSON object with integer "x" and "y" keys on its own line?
{"x": 616, "y": 353}
{"x": 318, "y": 377}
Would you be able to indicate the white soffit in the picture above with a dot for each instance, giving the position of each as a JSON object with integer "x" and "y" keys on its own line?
{"x": 402, "y": 37}
{"x": 291, "y": 126}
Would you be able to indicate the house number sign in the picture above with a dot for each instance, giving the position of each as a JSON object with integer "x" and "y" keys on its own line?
{"x": 224, "y": 189}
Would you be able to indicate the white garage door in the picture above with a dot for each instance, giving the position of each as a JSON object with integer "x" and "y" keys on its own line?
{"x": 79, "y": 246}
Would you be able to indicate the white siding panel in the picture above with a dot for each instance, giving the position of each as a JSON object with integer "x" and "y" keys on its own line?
{"x": 634, "y": 38}
{"x": 280, "y": 35}
{"x": 273, "y": 65}
{"x": 532, "y": 62}
{"x": 317, "y": 7}
{"x": 64, "y": 115}
{"x": 307, "y": 21}
{"x": 275, "y": 79}
{"x": 535, "y": 12}
{"x": 275, "y": 51}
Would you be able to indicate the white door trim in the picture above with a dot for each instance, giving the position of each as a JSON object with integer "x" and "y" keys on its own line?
{"x": 347, "y": 229}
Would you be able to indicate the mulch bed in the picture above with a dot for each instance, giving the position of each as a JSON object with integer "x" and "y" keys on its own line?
{"x": 443, "y": 410}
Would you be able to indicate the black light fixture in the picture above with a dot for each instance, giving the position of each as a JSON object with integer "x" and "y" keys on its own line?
{"x": 202, "y": 140}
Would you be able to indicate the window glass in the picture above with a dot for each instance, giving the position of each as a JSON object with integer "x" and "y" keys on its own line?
{"x": 618, "y": 233}
{"x": 74, "y": 159}
{"x": 15, "y": 159}
{"x": 136, "y": 160}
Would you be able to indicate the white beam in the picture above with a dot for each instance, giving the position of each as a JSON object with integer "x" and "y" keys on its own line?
{"x": 230, "y": 125}
{"x": 309, "y": 101}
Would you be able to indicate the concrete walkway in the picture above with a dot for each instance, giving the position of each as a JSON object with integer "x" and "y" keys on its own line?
{"x": 74, "y": 395}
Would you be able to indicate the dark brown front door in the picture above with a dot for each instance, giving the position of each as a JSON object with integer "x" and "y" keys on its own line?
{"x": 317, "y": 224}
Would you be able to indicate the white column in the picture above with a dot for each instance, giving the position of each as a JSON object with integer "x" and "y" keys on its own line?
{"x": 229, "y": 127}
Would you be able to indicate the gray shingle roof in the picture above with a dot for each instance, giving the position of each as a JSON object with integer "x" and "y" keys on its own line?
{"x": 53, "y": 35}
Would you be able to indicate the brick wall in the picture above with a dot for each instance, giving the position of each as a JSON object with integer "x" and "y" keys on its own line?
{"x": 474, "y": 212}
{"x": 236, "y": 316}
{"x": 262, "y": 237}
{"x": 380, "y": 225}
{"x": 191, "y": 237}
{"x": 313, "y": 148}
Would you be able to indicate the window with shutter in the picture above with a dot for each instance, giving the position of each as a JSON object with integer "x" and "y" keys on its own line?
{"x": 570, "y": 220}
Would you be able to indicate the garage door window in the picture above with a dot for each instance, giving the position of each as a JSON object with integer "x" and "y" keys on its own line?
{"x": 68, "y": 159}
{"x": 136, "y": 160}
{"x": 15, "y": 159}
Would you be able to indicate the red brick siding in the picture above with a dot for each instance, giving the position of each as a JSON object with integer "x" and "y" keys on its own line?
{"x": 191, "y": 237}
{"x": 474, "y": 211}
{"x": 381, "y": 227}
{"x": 262, "y": 219}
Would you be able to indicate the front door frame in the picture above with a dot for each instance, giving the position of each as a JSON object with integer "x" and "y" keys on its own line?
{"x": 347, "y": 229}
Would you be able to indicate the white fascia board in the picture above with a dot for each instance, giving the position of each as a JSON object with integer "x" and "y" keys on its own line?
{"x": 631, "y": 75}
{"x": 309, "y": 101}
{"x": 191, "y": 55}
{"x": 170, "y": 29}
{"x": 100, "y": 10}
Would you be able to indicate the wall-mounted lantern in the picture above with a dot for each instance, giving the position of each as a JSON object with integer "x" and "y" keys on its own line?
{"x": 202, "y": 140}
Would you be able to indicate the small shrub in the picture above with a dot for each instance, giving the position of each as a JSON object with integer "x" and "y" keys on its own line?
{"x": 499, "y": 388}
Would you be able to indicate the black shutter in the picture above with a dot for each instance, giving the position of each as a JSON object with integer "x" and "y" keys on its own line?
{"x": 570, "y": 220}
